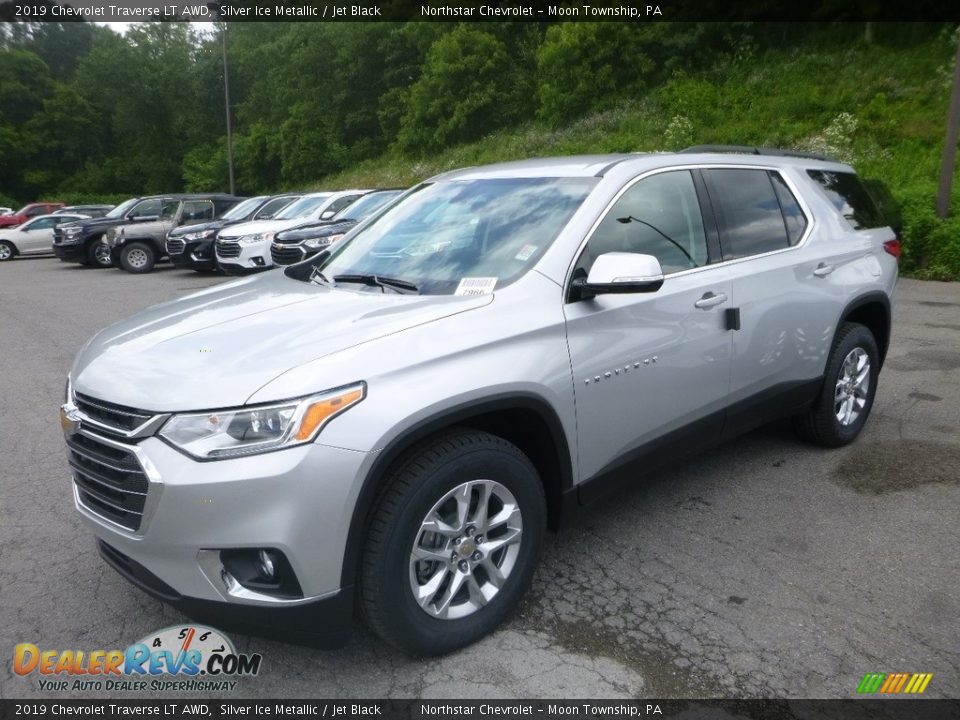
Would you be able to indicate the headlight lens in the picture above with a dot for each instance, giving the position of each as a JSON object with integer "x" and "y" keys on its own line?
{"x": 314, "y": 243}
{"x": 246, "y": 431}
{"x": 259, "y": 237}
{"x": 198, "y": 235}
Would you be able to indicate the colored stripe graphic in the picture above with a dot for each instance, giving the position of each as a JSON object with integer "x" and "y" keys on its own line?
{"x": 894, "y": 683}
{"x": 871, "y": 683}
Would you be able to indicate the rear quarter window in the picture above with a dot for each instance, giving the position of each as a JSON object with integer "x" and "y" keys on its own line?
{"x": 850, "y": 197}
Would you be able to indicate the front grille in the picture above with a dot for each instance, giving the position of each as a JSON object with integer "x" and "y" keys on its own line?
{"x": 228, "y": 249}
{"x": 110, "y": 481}
{"x": 286, "y": 254}
{"x": 175, "y": 246}
{"x": 118, "y": 417}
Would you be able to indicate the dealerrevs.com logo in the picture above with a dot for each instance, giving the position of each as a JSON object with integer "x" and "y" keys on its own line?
{"x": 181, "y": 657}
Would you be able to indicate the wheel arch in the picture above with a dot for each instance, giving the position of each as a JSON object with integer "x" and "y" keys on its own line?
{"x": 871, "y": 310}
{"x": 526, "y": 420}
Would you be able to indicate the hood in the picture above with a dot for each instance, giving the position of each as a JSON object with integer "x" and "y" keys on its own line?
{"x": 100, "y": 222}
{"x": 216, "y": 348}
{"x": 322, "y": 229}
{"x": 200, "y": 227}
{"x": 259, "y": 226}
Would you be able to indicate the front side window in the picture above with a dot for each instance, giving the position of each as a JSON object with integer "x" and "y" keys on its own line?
{"x": 445, "y": 237}
{"x": 658, "y": 216}
{"x": 748, "y": 212}
{"x": 42, "y": 223}
{"x": 147, "y": 208}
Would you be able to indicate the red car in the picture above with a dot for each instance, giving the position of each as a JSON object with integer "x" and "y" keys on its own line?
{"x": 29, "y": 211}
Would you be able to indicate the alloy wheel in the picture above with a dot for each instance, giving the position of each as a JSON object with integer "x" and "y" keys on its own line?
{"x": 853, "y": 384}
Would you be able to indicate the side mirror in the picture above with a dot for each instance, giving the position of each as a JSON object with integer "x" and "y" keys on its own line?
{"x": 327, "y": 214}
{"x": 619, "y": 272}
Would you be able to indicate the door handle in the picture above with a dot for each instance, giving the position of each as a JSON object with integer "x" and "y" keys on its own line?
{"x": 710, "y": 300}
{"x": 823, "y": 270}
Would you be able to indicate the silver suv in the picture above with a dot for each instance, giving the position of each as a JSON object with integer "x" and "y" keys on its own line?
{"x": 391, "y": 426}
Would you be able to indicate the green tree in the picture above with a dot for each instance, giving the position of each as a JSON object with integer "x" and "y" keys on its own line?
{"x": 463, "y": 93}
{"x": 583, "y": 67}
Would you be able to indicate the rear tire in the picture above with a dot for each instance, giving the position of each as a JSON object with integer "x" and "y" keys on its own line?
{"x": 431, "y": 591}
{"x": 7, "y": 251}
{"x": 849, "y": 387}
{"x": 137, "y": 257}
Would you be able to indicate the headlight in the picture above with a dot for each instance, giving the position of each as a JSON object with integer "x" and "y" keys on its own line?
{"x": 259, "y": 237}
{"x": 198, "y": 235}
{"x": 315, "y": 243}
{"x": 246, "y": 431}
{"x": 70, "y": 231}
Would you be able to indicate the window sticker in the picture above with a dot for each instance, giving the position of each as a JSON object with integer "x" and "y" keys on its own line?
{"x": 476, "y": 286}
{"x": 526, "y": 252}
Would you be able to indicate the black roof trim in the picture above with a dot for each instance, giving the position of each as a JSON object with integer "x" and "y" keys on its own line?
{"x": 753, "y": 150}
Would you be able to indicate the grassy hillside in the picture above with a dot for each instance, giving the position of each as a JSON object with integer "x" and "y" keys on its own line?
{"x": 881, "y": 108}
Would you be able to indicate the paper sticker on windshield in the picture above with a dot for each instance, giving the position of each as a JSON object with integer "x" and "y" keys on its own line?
{"x": 476, "y": 286}
{"x": 526, "y": 252}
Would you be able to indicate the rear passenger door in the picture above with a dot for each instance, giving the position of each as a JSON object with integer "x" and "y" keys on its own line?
{"x": 780, "y": 290}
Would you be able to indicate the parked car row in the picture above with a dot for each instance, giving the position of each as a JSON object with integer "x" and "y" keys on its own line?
{"x": 203, "y": 232}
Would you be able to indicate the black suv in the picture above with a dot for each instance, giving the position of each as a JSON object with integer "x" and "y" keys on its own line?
{"x": 191, "y": 246}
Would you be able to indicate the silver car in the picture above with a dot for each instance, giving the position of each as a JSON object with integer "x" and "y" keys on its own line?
{"x": 35, "y": 236}
{"x": 392, "y": 426}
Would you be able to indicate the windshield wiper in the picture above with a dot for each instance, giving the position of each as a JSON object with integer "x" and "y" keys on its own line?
{"x": 317, "y": 275}
{"x": 379, "y": 281}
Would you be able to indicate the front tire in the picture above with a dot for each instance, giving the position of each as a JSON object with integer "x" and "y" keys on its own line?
{"x": 453, "y": 542}
{"x": 137, "y": 257}
{"x": 98, "y": 254}
{"x": 849, "y": 387}
{"x": 7, "y": 251}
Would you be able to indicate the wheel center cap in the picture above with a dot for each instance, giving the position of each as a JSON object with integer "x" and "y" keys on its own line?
{"x": 467, "y": 548}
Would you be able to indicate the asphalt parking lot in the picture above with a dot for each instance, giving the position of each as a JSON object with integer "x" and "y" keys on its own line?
{"x": 764, "y": 568}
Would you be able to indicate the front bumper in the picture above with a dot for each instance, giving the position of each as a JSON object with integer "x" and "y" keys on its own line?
{"x": 196, "y": 255}
{"x": 298, "y": 501}
{"x": 324, "y": 623}
{"x": 252, "y": 257}
{"x": 72, "y": 252}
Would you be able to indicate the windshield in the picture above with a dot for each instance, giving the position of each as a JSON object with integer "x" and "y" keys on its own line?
{"x": 450, "y": 236}
{"x": 272, "y": 207}
{"x": 302, "y": 207}
{"x": 121, "y": 209}
{"x": 241, "y": 210}
{"x": 366, "y": 206}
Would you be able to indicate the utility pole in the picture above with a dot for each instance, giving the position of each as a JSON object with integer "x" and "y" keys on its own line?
{"x": 226, "y": 97}
{"x": 950, "y": 146}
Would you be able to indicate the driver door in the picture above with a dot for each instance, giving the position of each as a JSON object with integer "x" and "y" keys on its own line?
{"x": 651, "y": 371}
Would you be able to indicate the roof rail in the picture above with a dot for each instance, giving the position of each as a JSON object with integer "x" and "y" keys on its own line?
{"x": 752, "y": 150}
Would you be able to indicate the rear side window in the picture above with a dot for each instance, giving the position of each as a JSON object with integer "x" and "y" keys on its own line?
{"x": 850, "y": 198}
{"x": 793, "y": 217}
{"x": 748, "y": 211}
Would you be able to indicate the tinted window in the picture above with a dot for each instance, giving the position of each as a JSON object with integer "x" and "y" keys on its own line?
{"x": 657, "y": 216}
{"x": 273, "y": 207}
{"x": 748, "y": 212}
{"x": 793, "y": 216}
{"x": 147, "y": 207}
{"x": 195, "y": 211}
{"x": 850, "y": 197}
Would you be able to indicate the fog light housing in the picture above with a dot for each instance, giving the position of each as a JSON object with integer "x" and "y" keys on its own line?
{"x": 262, "y": 570}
